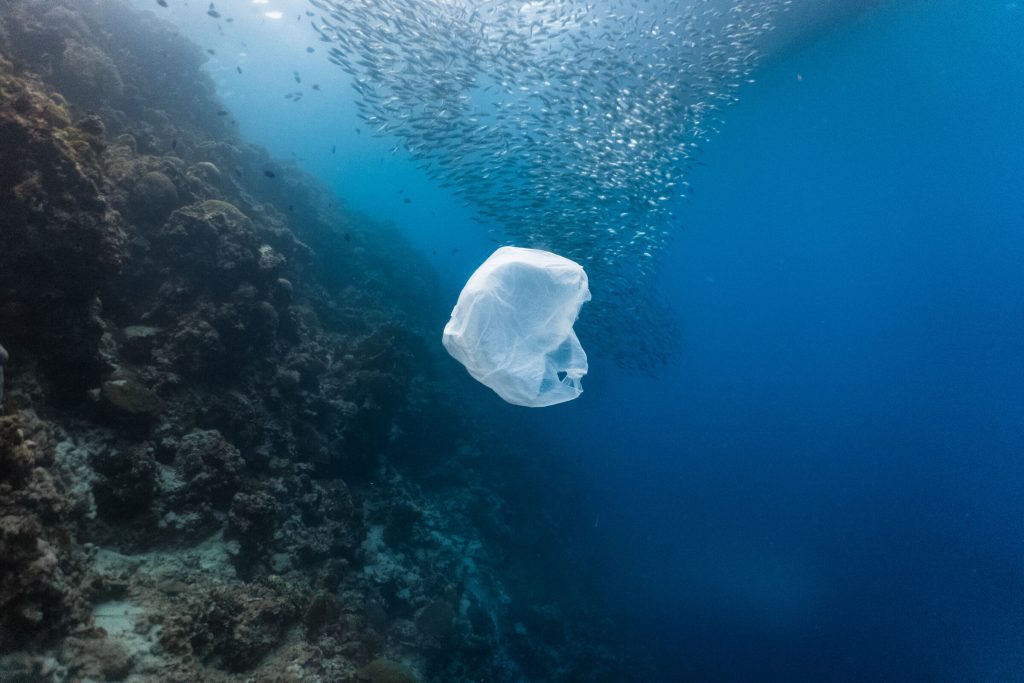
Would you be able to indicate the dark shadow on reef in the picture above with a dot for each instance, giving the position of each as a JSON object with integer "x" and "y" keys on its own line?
{"x": 226, "y": 450}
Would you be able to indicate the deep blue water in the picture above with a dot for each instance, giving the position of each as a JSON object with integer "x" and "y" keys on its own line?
{"x": 827, "y": 485}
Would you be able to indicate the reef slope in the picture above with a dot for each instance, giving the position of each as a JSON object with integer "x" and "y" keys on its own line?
{"x": 226, "y": 450}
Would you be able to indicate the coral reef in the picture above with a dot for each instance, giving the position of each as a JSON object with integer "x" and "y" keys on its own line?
{"x": 225, "y": 451}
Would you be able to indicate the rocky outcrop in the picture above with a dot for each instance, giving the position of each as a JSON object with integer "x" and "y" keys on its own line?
{"x": 40, "y": 564}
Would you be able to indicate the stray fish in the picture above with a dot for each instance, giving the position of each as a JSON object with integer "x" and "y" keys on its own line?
{"x": 221, "y": 112}
{"x": 407, "y": 200}
{"x": 162, "y": 3}
{"x": 348, "y": 237}
{"x": 270, "y": 174}
{"x": 310, "y": 50}
{"x": 239, "y": 69}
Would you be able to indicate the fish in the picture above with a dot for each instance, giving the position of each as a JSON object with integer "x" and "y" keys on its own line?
{"x": 162, "y": 3}
{"x": 567, "y": 125}
{"x": 221, "y": 112}
{"x": 270, "y": 174}
{"x": 239, "y": 69}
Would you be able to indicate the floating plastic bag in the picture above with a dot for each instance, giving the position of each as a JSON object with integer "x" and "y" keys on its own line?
{"x": 512, "y": 326}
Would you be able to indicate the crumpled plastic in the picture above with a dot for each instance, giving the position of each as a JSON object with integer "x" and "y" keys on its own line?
{"x": 512, "y": 326}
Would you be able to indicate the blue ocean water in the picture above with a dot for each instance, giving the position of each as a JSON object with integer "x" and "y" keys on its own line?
{"x": 827, "y": 484}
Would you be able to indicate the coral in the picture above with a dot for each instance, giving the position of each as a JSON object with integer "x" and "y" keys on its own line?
{"x": 321, "y": 610}
{"x": 153, "y": 197}
{"x": 127, "y": 481}
{"x": 252, "y": 520}
{"x": 59, "y": 240}
{"x": 97, "y": 659}
{"x": 37, "y": 560}
{"x": 213, "y": 241}
{"x": 210, "y": 466}
{"x": 126, "y": 397}
{"x": 230, "y": 629}
{"x": 86, "y": 73}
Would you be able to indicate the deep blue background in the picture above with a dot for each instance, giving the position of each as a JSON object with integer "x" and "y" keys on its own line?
{"x": 830, "y": 483}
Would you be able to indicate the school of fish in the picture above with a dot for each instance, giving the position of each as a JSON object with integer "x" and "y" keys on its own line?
{"x": 568, "y": 125}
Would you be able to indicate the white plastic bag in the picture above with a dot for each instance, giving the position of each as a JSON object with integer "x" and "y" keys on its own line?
{"x": 512, "y": 326}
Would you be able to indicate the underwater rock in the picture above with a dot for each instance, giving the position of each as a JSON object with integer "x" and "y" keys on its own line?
{"x": 59, "y": 240}
{"x": 210, "y": 466}
{"x": 436, "y": 619}
{"x": 194, "y": 348}
{"x": 127, "y": 481}
{"x": 126, "y": 397}
{"x": 138, "y": 342}
{"x": 401, "y": 525}
{"x": 207, "y": 172}
{"x": 97, "y": 658}
{"x": 232, "y": 629}
{"x": 479, "y": 620}
{"x": 153, "y": 197}
{"x": 92, "y": 125}
{"x": 282, "y": 291}
{"x": 321, "y": 610}
{"x": 252, "y": 521}
{"x": 270, "y": 260}
{"x": 386, "y": 671}
{"x": 38, "y": 560}
{"x": 87, "y": 74}
{"x": 211, "y": 239}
